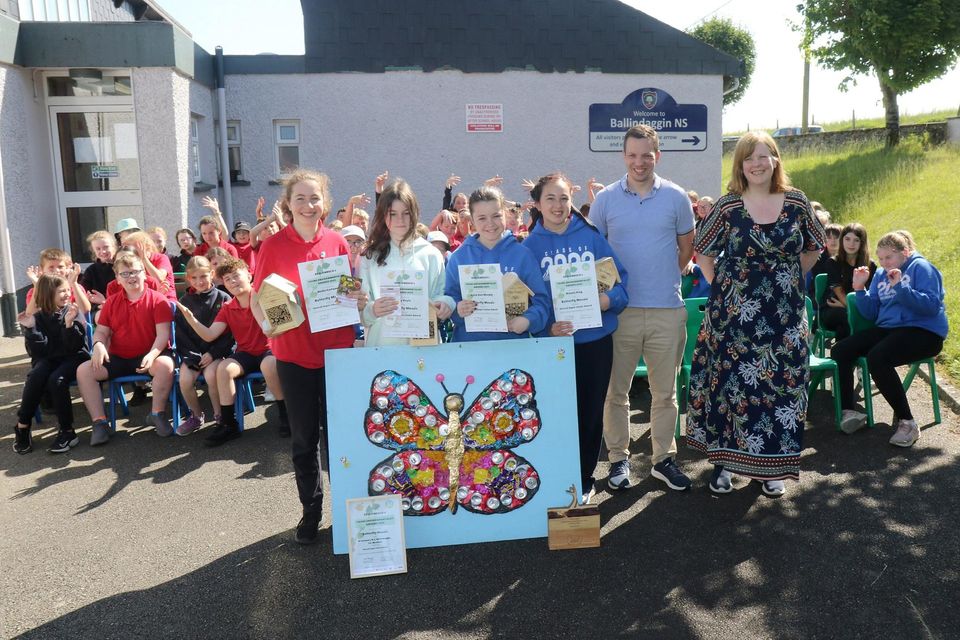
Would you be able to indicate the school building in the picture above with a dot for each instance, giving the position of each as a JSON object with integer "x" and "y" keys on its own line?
{"x": 110, "y": 110}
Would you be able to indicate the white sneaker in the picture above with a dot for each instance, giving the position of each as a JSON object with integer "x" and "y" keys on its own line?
{"x": 268, "y": 395}
{"x": 907, "y": 433}
{"x": 774, "y": 487}
{"x": 587, "y": 497}
{"x": 852, "y": 421}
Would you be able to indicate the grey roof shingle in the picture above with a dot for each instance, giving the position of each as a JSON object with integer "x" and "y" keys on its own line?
{"x": 490, "y": 36}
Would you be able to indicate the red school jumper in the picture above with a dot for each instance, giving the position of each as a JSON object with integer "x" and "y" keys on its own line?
{"x": 244, "y": 327}
{"x": 280, "y": 254}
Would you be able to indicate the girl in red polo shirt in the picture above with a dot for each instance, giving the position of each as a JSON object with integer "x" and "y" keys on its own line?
{"x": 300, "y": 353}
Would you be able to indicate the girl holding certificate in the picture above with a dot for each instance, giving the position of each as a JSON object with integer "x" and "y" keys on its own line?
{"x": 559, "y": 235}
{"x": 396, "y": 255}
{"x": 299, "y": 352}
{"x": 491, "y": 246}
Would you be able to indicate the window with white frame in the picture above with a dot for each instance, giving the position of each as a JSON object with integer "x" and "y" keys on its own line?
{"x": 195, "y": 148}
{"x": 287, "y": 140}
{"x": 233, "y": 150}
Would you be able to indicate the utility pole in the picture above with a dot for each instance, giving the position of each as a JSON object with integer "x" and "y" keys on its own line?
{"x": 805, "y": 123}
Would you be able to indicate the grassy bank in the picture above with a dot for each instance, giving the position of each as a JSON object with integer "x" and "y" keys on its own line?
{"x": 908, "y": 188}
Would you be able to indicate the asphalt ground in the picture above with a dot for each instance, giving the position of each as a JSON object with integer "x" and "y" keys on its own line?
{"x": 154, "y": 538}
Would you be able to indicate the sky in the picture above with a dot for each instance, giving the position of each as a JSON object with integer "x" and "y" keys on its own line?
{"x": 773, "y": 99}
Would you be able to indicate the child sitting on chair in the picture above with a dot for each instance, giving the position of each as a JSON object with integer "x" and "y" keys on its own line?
{"x": 904, "y": 300}
{"x": 132, "y": 337}
{"x": 252, "y": 354}
{"x": 196, "y": 354}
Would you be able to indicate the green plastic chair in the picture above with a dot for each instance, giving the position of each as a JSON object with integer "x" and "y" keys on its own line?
{"x": 686, "y": 285}
{"x": 695, "y": 310}
{"x": 859, "y": 323}
{"x": 820, "y": 368}
{"x": 820, "y": 335}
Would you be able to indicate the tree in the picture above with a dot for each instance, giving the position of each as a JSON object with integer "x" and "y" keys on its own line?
{"x": 904, "y": 43}
{"x": 722, "y": 34}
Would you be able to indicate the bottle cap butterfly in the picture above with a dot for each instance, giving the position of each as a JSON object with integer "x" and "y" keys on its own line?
{"x": 475, "y": 444}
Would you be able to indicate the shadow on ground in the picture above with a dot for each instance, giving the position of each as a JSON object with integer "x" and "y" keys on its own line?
{"x": 866, "y": 546}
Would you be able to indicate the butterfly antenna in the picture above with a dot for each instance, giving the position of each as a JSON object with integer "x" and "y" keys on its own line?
{"x": 470, "y": 380}
{"x": 440, "y": 379}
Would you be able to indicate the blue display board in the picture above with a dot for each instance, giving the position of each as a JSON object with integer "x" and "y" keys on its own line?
{"x": 389, "y": 431}
{"x": 681, "y": 127}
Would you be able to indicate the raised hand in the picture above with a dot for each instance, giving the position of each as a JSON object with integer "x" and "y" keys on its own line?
{"x": 894, "y": 276}
{"x": 210, "y": 203}
{"x": 381, "y": 181}
{"x": 73, "y": 274}
{"x": 260, "y": 203}
{"x": 452, "y": 181}
{"x": 359, "y": 200}
{"x": 96, "y": 297}
{"x": 527, "y": 185}
{"x": 34, "y": 273}
{"x": 71, "y": 314}
{"x": 495, "y": 181}
{"x": 26, "y": 320}
{"x": 860, "y": 277}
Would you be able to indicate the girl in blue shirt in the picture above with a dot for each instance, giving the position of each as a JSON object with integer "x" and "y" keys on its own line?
{"x": 490, "y": 245}
{"x": 905, "y": 302}
{"x": 559, "y": 234}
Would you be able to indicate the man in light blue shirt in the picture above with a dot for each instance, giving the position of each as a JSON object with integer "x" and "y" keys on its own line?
{"x": 649, "y": 222}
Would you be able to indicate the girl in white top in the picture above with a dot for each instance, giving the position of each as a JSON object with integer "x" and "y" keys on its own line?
{"x": 393, "y": 244}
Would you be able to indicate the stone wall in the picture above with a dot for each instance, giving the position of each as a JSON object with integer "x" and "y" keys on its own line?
{"x": 935, "y": 131}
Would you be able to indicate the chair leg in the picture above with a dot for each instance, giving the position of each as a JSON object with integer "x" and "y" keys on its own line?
{"x": 934, "y": 392}
{"x": 112, "y": 392}
{"x": 867, "y": 391}
{"x": 242, "y": 387}
{"x": 836, "y": 397}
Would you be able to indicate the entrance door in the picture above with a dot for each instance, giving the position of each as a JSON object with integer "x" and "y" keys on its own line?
{"x": 98, "y": 171}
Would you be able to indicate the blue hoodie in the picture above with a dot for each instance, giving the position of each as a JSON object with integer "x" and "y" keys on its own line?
{"x": 915, "y": 301}
{"x": 580, "y": 241}
{"x": 511, "y": 256}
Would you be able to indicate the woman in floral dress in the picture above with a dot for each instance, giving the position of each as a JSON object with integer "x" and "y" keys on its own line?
{"x": 748, "y": 384}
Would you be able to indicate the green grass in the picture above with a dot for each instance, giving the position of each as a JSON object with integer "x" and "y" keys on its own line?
{"x": 869, "y": 123}
{"x": 911, "y": 187}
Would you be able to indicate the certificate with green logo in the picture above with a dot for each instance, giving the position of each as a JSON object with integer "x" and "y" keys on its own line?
{"x": 483, "y": 283}
{"x": 575, "y": 297}
{"x": 326, "y": 309}
{"x": 375, "y": 532}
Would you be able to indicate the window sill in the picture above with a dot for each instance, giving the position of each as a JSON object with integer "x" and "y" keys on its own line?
{"x": 202, "y": 187}
{"x": 236, "y": 183}
{"x": 275, "y": 183}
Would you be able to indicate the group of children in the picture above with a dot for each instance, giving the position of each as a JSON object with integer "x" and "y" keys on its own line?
{"x": 131, "y": 294}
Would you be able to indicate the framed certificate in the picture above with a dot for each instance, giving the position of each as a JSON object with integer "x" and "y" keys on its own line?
{"x": 376, "y": 536}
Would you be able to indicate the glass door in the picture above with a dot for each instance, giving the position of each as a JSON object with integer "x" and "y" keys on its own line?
{"x": 98, "y": 171}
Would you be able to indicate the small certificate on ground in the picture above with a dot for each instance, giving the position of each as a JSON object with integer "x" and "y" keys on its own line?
{"x": 483, "y": 283}
{"x": 320, "y": 280}
{"x": 412, "y": 318}
{"x": 575, "y": 297}
{"x": 375, "y": 533}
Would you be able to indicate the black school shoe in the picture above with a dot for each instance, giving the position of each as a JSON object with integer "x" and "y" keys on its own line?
{"x": 309, "y": 527}
{"x": 23, "y": 442}
{"x": 64, "y": 442}
{"x": 221, "y": 434}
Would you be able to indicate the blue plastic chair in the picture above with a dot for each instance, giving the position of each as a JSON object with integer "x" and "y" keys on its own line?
{"x": 243, "y": 401}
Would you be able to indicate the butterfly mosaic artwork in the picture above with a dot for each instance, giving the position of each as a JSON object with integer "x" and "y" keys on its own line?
{"x": 463, "y": 458}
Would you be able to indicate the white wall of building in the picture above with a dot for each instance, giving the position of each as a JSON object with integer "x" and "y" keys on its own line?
{"x": 354, "y": 126}
{"x": 165, "y": 102}
{"x": 27, "y": 170}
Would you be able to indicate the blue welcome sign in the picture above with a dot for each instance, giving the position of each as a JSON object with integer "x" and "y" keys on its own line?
{"x": 681, "y": 127}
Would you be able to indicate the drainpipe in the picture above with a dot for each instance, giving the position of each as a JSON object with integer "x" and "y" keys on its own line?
{"x": 227, "y": 200}
{"x": 8, "y": 299}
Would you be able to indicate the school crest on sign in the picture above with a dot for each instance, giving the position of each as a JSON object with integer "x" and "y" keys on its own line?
{"x": 649, "y": 99}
